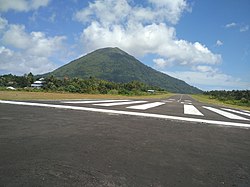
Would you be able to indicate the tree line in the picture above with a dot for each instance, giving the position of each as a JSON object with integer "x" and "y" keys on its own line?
{"x": 235, "y": 96}
{"x": 77, "y": 85}
{"x": 16, "y": 81}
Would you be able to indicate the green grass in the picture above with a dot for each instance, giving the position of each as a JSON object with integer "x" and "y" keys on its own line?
{"x": 24, "y": 95}
{"x": 207, "y": 99}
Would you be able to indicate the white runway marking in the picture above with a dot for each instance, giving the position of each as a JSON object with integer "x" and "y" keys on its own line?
{"x": 188, "y": 101}
{"x": 129, "y": 113}
{"x": 167, "y": 101}
{"x": 191, "y": 110}
{"x": 180, "y": 98}
{"x": 246, "y": 111}
{"x": 236, "y": 111}
{"x": 225, "y": 114}
{"x": 146, "y": 106}
{"x": 120, "y": 103}
{"x": 171, "y": 99}
{"x": 92, "y": 101}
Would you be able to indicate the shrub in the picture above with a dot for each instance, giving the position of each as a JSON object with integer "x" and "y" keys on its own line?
{"x": 244, "y": 100}
{"x": 113, "y": 92}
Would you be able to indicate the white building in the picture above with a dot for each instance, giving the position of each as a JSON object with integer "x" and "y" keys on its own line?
{"x": 10, "y": 88}
{"x": 38, "y": 84}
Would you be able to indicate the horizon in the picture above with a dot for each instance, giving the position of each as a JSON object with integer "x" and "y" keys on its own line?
{"x": 177, "y": 38}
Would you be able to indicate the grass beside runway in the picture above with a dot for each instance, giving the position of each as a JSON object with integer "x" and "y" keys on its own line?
{"x": 207, "y": 99}
{"x": 24, "y": 95}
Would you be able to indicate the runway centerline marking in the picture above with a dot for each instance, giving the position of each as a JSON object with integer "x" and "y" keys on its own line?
{"x": 160, "y": 116}
{"x": 180, "y": 98}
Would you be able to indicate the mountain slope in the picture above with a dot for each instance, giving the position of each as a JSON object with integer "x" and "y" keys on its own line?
{"x": 116, "y": 65}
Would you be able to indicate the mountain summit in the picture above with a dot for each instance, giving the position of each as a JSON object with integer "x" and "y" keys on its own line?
{"x": 115, "y": 65}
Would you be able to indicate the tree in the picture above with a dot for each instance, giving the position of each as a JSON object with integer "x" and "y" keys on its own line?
{"x": 30, "y": 78}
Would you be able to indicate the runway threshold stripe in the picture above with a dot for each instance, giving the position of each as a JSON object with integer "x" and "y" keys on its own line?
{"x": 236, "y": 111}
{"x": 120, "y": 103}
{"x": 93, "y": 101}
{"x": 224, "y": 123}
{"x": 146, "y": 106}
{"x": 191, "y": 110}
{"x": 224, "y": 113}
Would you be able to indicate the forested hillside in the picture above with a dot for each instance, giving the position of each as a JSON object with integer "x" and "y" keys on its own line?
{"x": 113, "y": 64}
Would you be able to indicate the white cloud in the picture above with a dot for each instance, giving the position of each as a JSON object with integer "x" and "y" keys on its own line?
{"x": 241, "y": 27}
{"x": 34, "y": 16}
{"x": 209, "y": 78}
{"x": 229, "y": 25}
{"x": 22, "y": 5}
{"x": 120, "y": 10}
{"x": 35, "y": 4}
{"x": 43, "y": 45}
{"x": 19, "y": 63}
{"x": 114, "y": 11}
{"x": 135, "y": 39}
{"x": 35, "y": 43}
{"x": 5, "y": 52}
{"x": 244, "y": 28}
{"x": 22, "y": 52}
{"x": 141, "y": 30}
{"x": 52, "y": 17}
{"x": 161, "y": 63}
{"x": 3, "y": 23}
{"x": 16, "y": 37}
{"x": 219, "y": 43}
{"x": 172, "y": 10}
{"x": 204, "y": 69}
{"x": 208, "y": 81}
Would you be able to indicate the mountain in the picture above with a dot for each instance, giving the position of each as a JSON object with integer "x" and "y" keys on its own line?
{"x": 115, "y": 65}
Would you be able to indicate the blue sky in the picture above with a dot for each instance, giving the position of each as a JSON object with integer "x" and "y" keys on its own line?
{"x": 203, "y": 42}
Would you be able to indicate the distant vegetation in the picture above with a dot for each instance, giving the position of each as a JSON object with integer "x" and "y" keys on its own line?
{"x": 16, "y": 81}
{"x": 97, "y": 86}
{"x": 238, "y": 97}
{"x": 77, "y": 85}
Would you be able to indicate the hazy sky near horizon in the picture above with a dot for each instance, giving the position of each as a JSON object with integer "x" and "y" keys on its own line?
{"x": 203, "y": 42}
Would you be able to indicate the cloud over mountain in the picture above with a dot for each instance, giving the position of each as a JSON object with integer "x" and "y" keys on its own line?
{"x": 142, "y": 30}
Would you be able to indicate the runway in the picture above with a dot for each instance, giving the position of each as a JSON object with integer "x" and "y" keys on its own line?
{"x": 178, "y": 107}
{"x": 49, "y": 146}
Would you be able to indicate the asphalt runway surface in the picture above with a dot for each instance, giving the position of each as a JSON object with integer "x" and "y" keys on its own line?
{"x": 46, "y": 146}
